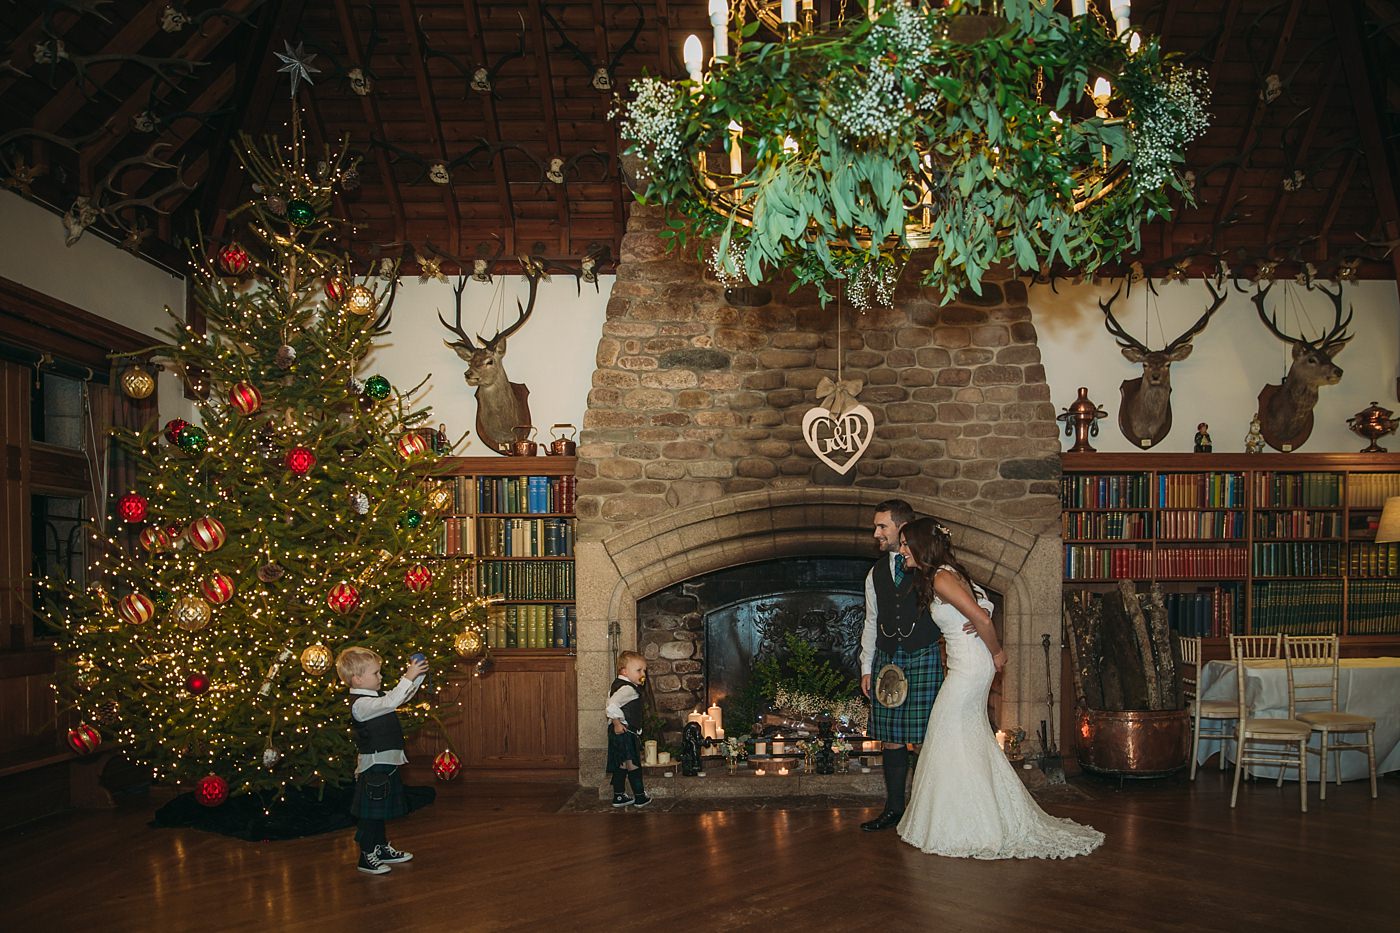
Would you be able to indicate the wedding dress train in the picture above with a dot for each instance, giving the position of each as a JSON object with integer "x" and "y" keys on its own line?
{"x": 967, "y": 801}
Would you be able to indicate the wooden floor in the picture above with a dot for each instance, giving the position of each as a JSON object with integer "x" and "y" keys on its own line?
{"x": 502, "y": 857}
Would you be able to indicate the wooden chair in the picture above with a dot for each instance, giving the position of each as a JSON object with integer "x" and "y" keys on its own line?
{"x": 1218, "y": 715}
{"x": 1319, "y": 652}
{"x": 1281, "y": 743}
{"x": 1255, "y": 647}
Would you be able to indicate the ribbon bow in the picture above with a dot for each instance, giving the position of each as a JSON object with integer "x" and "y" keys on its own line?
{"x": 839, "y": 397}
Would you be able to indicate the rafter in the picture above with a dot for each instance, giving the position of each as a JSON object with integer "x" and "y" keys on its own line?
{"x": 619, "y": 218}
{"x": 23, "y": 44}
{"x": 71, "y": 97}
{"x": 492, "y": 132}
{"x": 434, "y": 121}
{"x": 370, "y": 107}
{"x": 1319, "y": 109}
{"x": 551, "y": 118}
{"x": 219, "y": 91}
{"x": 1334, "y": 203}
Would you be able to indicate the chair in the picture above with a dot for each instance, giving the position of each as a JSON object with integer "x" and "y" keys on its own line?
{"x": 1216, "y": 713}
{"x": 1280, "y": 743}
{"x": 1319, "y": 652}
{"x": 1255, "y": 647}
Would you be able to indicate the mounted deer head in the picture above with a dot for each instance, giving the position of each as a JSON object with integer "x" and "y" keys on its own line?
{"x": 1286, "y": 410}
{"x": 500, "y": 403}
{"x": 1145, "y": 416}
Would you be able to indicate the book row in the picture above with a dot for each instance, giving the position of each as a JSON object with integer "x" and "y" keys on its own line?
{"x": 1285, "y": 490}
{"x": 1370, "y": 490}
{"x": 526, "y": 579}
{"x": 1093, "y": 562}
{"x": 1199, "y": 490}
{"x": 1297, "y": 523}
{"x": 1272, "y": 490}
{"x": 469, "y": 535}
{"x": 1373, "y": 607}
{"x": 530, "y": 495}
{"x": 1212, "y": 613}
{"x": 1297, "y": 559}
{"x": 1373, "y": 560}
{"x": 531, "y": 626}
{"x": 1297, "y": 608}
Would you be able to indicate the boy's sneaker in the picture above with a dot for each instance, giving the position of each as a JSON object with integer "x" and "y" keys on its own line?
{"x": 621, "y": 800}
{"x": 391, "y": 856}
{"x": 372, "y": 864}
{"x": 641, "y": 800}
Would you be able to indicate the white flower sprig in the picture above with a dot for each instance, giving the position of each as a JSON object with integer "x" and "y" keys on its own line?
{"x": 652, "y": 121}
{"x": 1164, "y": 122}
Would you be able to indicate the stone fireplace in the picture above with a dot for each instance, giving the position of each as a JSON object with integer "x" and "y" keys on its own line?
{"x": 691, "y": 459}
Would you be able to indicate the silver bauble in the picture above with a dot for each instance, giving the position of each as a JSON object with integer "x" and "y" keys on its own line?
{"x": 270, "y": 757}
{"x": 285, "y": 357}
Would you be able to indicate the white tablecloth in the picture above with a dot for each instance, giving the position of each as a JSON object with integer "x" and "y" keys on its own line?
{"x": 1369, "y": 686}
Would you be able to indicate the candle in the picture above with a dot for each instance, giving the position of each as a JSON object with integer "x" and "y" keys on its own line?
{"x": 760, "y": 748}
{"x": 788, "y": 11}
{"x": 777, "y": 747}
{"x": 694, "y": 55}
{"x": 649, "y": 752}
{"x": 736, "y": 154}
{"x": 719, "y": 19}
{"x": 1001, "y": 739}
{"x": 663, "y": 758}
{"x": 707, "y": 726}
{"x": 759, "y": 772}
{"x": 1122, "y": 11}
{"x": 719, "y": 734}
{"x": 717, "y": 715}
{"x": 1078, "y": 7}
{"x": 782, "y": 771}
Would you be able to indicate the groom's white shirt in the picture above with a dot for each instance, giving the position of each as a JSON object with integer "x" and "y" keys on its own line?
{"x": 872, "y": 612}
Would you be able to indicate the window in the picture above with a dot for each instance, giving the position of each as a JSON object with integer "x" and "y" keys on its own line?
{"x": 59, "y": 549}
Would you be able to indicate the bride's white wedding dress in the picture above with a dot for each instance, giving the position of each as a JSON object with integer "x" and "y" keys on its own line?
{"x": 967, "y": 800}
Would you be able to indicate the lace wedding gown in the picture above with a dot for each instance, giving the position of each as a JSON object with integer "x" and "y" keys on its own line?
{"x": 967, "y": 800}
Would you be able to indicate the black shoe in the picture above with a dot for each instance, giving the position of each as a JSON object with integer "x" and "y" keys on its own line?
{"x": 372, "y": 864}
{"x": 621, "y": 800}
{"x": 884, "y": 821}
{"x": 641, "y": 800}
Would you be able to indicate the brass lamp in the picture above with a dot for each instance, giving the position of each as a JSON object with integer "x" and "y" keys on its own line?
{"x": 1389, "y": 528}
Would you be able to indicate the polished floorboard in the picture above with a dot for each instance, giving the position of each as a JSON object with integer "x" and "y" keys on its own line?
{"x": 492, "y": 856}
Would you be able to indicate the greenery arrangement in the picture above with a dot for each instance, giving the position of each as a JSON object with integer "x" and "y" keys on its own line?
{"x": 801, "y": 683}
{"x": 962, "y": 128}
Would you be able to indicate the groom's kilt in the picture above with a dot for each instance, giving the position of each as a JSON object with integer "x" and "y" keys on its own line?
{"x": 907, "y": 722}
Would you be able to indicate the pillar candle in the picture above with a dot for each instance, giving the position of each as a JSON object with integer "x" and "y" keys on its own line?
{"x": 777, "y": 747}
{"x": 698, "y": 719}
{"x": 717, "y": 715}
{"x": 719, "y": 19}
{"x": 788, "y": 11}
{"x": 649, "y": 752}
{"x": 760, "y": 748}
{"x": 663, "y": 758}
{"x": 707, "y": 726}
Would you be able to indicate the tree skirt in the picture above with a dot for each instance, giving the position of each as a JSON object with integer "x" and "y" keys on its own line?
{"x": 303, "y": 812}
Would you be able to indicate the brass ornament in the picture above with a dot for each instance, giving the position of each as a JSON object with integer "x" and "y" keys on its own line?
{"x": 137, "y": 383}
{"x": 469, "y": 644}
{"x": 316, "y": 660}
{"x": 191, "y": 613}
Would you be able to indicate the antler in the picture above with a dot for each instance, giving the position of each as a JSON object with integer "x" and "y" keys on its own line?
{"x": 631, "y": 42}
{"x": 456, "y": 326}
{"x": 534, "y": 271}
{"x": 1218, "y": 299}
{"x": 1125, "y": 340}
{"x": 1325, "y": 342}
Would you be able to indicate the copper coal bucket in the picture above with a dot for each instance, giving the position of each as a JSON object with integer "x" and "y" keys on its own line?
{"x": 563, "y": 444}
{"x": 525, "y": 444}
{"x": 1134, "y": 742}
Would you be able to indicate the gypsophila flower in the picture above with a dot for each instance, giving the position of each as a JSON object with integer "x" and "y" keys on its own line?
{"x": 728, "y": 269}
{"x": 868, "y": 105}
{"x": 873, "y": 286}
{"x": 1166, "y": 121}
{"x": 651, "y": 122}
{"x": 909, "y": 39}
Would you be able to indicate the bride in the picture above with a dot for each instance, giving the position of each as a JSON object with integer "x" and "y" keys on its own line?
{"x": 967, "y": 801}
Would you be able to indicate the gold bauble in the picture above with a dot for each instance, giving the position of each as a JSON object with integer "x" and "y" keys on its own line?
{"x": 440, "y": 498}
{"x": 360, "y": 300}
{"x": 137, "y": 383}
{"x": 191, "y": 613}
{"x": 469, "y": 644}
{"x": 316, "y": 660}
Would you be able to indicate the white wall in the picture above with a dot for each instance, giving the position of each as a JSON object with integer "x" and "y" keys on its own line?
{"x": 552, "y": 353}
{"x": 1233, "y": 358}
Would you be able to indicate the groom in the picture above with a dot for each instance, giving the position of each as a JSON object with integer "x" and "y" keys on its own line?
{"x": 898, "y": 630}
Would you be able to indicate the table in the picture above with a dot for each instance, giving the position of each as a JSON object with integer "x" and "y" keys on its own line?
{"x": 1369, "y": 686}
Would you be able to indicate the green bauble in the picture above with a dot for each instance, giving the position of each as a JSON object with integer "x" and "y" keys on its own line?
{"x": 300, "y": 213}
{"x": 411, "y": 519}
{"x": 193, "y": 439}
{"x": 377, "y": 388}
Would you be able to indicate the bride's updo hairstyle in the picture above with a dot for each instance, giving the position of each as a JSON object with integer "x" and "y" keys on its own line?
{"x": 932, "y": 548}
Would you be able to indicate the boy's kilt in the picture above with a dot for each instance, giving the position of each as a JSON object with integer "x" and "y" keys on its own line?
{"x": 379, "y": 794}
{"x": 923, "y": 669}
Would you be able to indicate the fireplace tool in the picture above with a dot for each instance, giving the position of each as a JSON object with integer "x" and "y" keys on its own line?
{"x": 1050, "y": 761}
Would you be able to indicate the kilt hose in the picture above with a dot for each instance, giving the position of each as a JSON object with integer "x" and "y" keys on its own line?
{"x": 905, "y": 724}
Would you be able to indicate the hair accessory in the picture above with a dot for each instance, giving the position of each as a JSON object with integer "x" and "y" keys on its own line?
{"x": 942, "y": 529}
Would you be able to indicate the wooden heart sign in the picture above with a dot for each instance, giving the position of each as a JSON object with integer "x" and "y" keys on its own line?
{"x": 838, "y": 440}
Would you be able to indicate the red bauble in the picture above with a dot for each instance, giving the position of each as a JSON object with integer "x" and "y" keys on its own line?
{"x": 132, "y": 507}
{"x": 211, "y": 790}
{"x": 335, "y": 289}
{"x": 233, "y": 259}
{"x": 197, "y": 683}
{"x": 84, "y": 738}
{"x": 245, "y": 398}
{"x": 173, "y": 427}
{"x": 217, "y": 588}
{"x": 207, "y": 534}
{"x": 411, "y": 445}
{"x": 343, "y": 597}
{"x": 418, "y": 578}
{"x": 154, "y": 539}
{"x": 300, "y": 460}
{"x": 136, "y": 608}
{"x": 446, "y": 765}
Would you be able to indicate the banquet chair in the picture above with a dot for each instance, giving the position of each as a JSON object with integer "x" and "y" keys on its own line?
{"x": 1255, "y": 647}
{"x": 1319, "y": 652}
{"x": 1281, "y": 743}
{"x": 1217, "y": 714}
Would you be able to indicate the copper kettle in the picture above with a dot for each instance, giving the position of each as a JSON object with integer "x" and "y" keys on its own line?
{"x": 525, "y": 444}
{"x": 564, "y": 443}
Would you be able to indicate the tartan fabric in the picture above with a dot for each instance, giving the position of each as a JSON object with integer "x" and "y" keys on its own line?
{"x": 924, "y": 671}
{"x": 393, "y": 803}
{"x": 622, "y": 748}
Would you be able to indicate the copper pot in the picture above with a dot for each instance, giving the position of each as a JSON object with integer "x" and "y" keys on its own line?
{"x": 1140, "y": 742}
{"x": 563, "y": 444}
{"x": 525, "y": 444}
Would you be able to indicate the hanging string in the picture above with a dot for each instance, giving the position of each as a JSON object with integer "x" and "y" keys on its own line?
{"x": 840, "y": 341}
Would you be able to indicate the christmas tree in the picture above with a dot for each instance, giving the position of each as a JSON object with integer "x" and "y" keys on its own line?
{"x": 294, "y": 520}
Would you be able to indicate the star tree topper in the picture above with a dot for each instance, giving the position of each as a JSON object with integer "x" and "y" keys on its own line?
{"x": 297, "y": 63}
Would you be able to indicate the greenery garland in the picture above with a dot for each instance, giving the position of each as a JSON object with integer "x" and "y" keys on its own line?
{"x": 874, "y": 105}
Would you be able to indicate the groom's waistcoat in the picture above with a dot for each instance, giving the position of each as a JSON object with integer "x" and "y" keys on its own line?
{"x": 902, "y": 616}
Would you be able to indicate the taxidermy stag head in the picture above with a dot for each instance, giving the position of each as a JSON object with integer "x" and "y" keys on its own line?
{"x": 1286, "y": 410}
{"x": 1145, "y": 416}
{"x": 500, "y": 403}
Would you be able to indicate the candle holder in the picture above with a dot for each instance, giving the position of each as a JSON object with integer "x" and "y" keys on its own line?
{"x": 1082, "y": 420}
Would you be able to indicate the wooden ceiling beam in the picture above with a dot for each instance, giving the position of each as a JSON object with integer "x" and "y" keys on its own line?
{"x": 1298, "y": 157}
{"x": 427, "y": 101}
{"x": 619, "y": 193}
{"x": 1334, "y": 203}
{"x": 22, "y": 47}
{"x": 1346, "y": 19}
{"x": 127, "y": 40}
{"x": 492, "y": 132}
{"x": 1256, "y": 116}
{"x": 316, "y": 132}
{"x": 219, "y": 90}
{"x": 551, "y": 120}
{"x": 370, "y": 106}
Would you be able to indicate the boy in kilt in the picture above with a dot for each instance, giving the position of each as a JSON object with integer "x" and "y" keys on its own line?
{"x": 374, "y": 719}
{"x": 624, "y": 710}
{"x": 898, "y": 631}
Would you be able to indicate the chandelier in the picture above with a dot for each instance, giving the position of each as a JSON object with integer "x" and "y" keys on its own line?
{"x": 982, "y": 132}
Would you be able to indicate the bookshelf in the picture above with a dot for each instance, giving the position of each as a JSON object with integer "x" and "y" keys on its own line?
{"x": 510, "y": 535}
{"x": 1240, "y": 543}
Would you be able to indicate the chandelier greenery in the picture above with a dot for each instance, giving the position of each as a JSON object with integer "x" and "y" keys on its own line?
{"x": 984, "y": 132}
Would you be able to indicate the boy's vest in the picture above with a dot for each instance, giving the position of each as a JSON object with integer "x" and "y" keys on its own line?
{"x": 632, "y": 709}
{"x": 380, "y": 734}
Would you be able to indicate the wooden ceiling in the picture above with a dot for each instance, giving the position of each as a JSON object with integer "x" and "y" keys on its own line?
{"x": 483, "y": 128}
